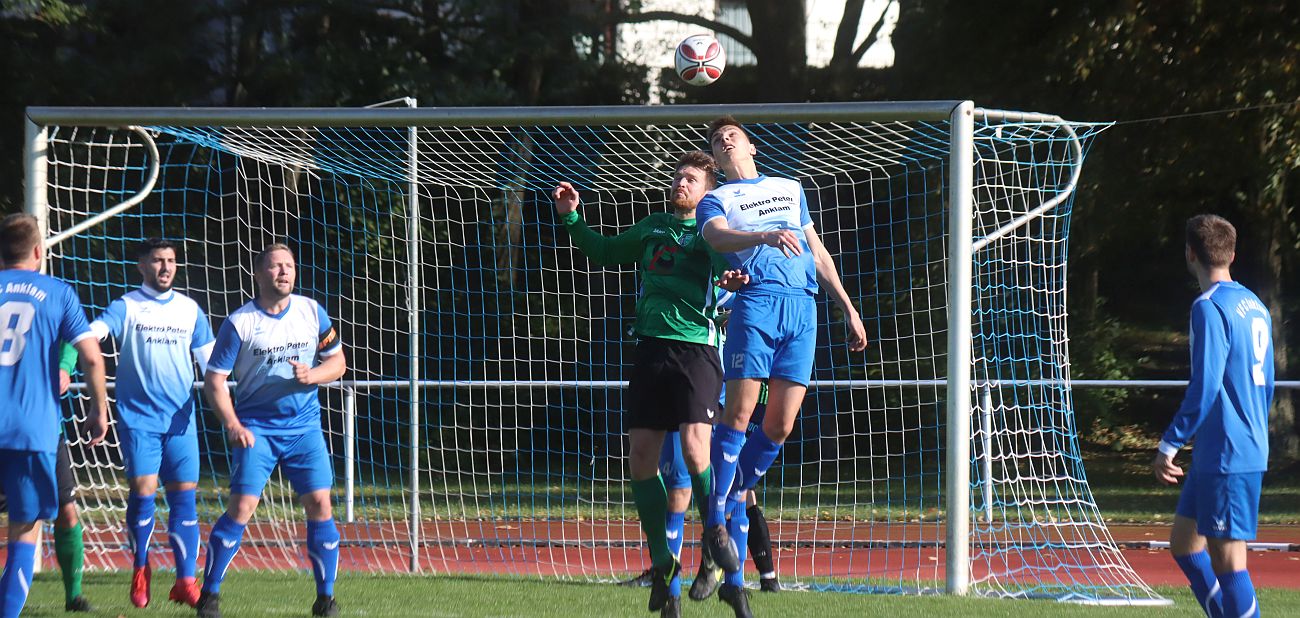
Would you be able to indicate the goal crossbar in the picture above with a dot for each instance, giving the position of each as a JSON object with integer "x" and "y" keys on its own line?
{"x": 999, "y": 178}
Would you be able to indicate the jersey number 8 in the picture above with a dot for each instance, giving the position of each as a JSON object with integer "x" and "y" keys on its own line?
{"x": 15, "y": 320}
{"x": 1259, "y": 337}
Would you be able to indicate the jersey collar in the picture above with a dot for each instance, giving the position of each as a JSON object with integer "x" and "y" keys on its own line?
{"x": 153, "y": 294}
{"x": 746, "y": 181}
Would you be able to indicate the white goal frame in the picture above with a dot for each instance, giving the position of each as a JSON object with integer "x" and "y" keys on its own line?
{"x": 962, "y": 246}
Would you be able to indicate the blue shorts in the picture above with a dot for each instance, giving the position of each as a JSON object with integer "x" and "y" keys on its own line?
{"x": 302, "y": 458}
{"x": 771, "y": 337}
{"x": 1225, "y": 506}
{"x": 30, "y": 486}
{"x": 173, "y": 457}
{"x": 672, "y": 466}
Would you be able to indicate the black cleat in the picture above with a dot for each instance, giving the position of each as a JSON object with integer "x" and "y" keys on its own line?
{"x": 660, "y": 578}
{"x": 640, "y": 581}
{"x": 707, "y": 580}
{"x": 78, "y": 604}
{"x": 737, "y": 598}
{"x": 209, "y": 605}
{"x": 721, "y": 548}
{"x": 769, "y": 584}
{"x": 672, "y": 609}
{"x": 324, "y": 606}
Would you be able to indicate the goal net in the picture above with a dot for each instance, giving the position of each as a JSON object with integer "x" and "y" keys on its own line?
{"x": 480, "y": 428}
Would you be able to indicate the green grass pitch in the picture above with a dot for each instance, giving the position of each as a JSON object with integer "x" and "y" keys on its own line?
{"x": 291, "y": 594}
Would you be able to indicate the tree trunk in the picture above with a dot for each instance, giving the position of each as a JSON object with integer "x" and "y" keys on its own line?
{"x": 780, "y": 32}
{"x": 1284, "y": 433}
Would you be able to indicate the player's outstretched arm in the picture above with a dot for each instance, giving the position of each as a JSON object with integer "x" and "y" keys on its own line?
{"x": 624, "y": 248}
{"x": 566, "y": 198}
{"x": 218, "y": 395}
{"x": 829, "y": 277}
{"x": 92, "y": 365}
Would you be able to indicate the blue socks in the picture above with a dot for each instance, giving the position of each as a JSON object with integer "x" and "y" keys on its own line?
{"x": 1238, "y": 595}
{"x": 183, "y": 531}
{"x": 323, "y": 549}
{"x": 725, "y": 456}
{"x": 17, "y": 579}
{"x": 223, "y": 544}
{"x": 1201, "y": 577}
{"x": 139, "y": 525}
{"x": 676, "y": 530}
{"x": 738, "y": 529}
{"x": 755, "y": 459}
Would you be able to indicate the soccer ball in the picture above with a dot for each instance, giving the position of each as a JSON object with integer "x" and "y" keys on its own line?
{"x": 700, "y": 60}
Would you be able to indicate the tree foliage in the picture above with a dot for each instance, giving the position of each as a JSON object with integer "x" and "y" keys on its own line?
{"x": 1154, "y": 66}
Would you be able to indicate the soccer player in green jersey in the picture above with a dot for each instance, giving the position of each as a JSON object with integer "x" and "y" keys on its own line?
{"x": 676, "y": 375}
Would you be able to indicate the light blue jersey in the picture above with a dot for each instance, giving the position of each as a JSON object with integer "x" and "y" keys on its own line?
{"x": 256, "y": 348}
{"x": 161, "y": 336}
{"x": 765, "y": 204}
{"x": 1227, "y": 401}
{"x": 37, "y": 312}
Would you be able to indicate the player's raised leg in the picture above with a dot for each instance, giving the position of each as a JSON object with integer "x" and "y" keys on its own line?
{"x": 728, "y": 441}
{"x": 763, "y": 446}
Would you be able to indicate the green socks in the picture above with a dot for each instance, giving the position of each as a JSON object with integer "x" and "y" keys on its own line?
{"x": 71, "y": 553}
{"x": 702, "y": 488}
{"x": 652, "y": 505}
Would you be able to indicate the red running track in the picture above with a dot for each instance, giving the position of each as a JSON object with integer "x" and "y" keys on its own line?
{"x": 852, "y": 550}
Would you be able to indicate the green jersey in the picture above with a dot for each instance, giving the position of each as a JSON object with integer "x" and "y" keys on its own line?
{"x": 678, "y": 299}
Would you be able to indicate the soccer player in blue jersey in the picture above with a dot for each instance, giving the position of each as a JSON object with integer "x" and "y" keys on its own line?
{"x": 36, "y": 313}
{"x": 757, "y": 538}
{"x": 279, "y": 346}
{"x": 1226, "y": 411}
{"x": 762, "y": 226}
{"x": 161, "y": 334}
{"x": 69, "y": 541}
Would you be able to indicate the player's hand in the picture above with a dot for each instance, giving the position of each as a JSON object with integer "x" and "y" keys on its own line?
{"x": 566, "y": 198}
{"x": 857, "y": 333}
{"x": 301, "y": 372}
{"x": 97, "y": 425}
{"x": 1165, "y": 470}
{"x": 732, "y": 280}
{"x": 724, "y": 316}
{"x": 240, "y": 435}
{"x": 65, "y": 381}
{"x": 785, "y": 240}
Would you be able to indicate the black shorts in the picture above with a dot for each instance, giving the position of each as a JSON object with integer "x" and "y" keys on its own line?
{"x": 63, "y": 472}
{"x": 673, "y": 382}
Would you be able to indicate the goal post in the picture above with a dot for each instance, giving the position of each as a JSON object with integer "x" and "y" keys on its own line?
{"x": 479, "y": 428}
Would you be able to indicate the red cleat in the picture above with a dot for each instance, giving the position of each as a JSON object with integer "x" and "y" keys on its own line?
{"x": 140, "y": 586}
{"x": 185, "y": 591}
